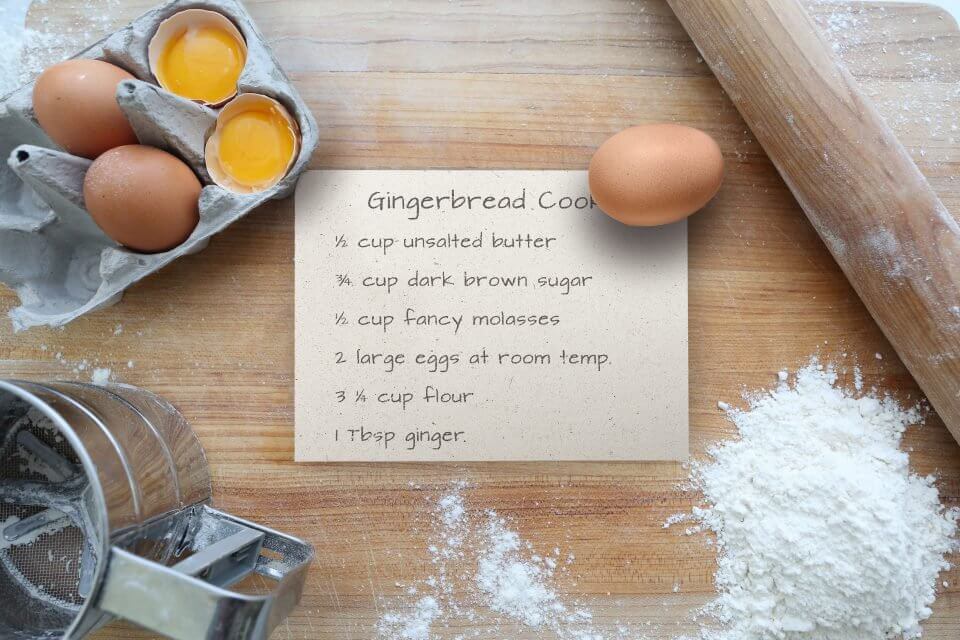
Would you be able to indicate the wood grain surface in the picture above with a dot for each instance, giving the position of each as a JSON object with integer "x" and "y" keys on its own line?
{"x": 539, "y": 84}
{"x": 886, "y": 228}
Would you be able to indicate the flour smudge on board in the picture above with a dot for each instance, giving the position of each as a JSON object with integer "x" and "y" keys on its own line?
{"x": 487, "y": 577}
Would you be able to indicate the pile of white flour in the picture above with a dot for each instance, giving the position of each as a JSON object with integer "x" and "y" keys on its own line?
{"x": 823, "y": 531}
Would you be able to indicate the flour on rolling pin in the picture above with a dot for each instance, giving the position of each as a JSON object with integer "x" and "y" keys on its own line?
{"x": 484, "y": 315}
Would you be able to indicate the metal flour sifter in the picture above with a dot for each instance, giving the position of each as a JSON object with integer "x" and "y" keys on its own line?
{"x": 105, "y": 512}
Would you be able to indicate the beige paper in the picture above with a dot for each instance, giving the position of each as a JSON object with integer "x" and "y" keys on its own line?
{"x": 484, "y": 315}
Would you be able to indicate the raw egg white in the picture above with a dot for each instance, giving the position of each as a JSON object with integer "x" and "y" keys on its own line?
{"x": 142, "y": 197}
{"x": 655, "y": 174}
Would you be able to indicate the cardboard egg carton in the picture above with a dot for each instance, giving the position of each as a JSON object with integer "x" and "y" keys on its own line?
{"x": 51, "y": 253}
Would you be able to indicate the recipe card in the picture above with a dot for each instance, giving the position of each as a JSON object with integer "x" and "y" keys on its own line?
{"x": 484, "y": 315}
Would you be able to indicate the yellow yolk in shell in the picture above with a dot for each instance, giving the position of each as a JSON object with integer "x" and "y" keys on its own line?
{"x": 256, "y": 146}
{"x": 202, "y": 63}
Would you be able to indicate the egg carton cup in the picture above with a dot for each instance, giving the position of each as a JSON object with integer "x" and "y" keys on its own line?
{"x": 52, "y": 254}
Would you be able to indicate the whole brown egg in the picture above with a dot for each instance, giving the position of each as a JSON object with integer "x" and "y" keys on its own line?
{"x": 655, "y": 174}
{"x": 142, "y": 197}
{"x": 75, "y": 103}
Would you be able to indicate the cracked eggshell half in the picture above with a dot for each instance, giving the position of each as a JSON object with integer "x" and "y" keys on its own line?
{"x": 199, "y": 55}
{"x": 254, "y": 144}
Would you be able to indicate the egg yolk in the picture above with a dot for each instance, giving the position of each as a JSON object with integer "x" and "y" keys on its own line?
{"x": 256, "y": 146}
{"x": 202, "y": 63}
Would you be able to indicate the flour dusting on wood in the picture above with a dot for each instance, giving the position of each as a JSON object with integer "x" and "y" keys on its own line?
{"x": 486, "y": 576}
{"x": 26, "y": 51}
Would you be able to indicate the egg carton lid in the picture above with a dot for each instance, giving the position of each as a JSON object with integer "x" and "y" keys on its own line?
{"x": 52, "y": 254}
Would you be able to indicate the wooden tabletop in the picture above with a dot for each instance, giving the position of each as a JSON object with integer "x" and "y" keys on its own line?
{"x": 539, "y": 84}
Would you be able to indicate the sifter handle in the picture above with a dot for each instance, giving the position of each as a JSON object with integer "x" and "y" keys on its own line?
{"x": 190, "y": 601}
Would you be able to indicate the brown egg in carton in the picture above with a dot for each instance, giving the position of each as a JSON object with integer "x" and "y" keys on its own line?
{"x": 52, "y": 253}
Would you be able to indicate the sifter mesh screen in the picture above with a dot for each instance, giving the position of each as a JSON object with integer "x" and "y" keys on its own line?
{"x": 45, "y": 562}
{"x": 48, "y": 566}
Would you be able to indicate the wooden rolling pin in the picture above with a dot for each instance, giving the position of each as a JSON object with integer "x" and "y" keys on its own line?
{"x": 888, "y": 230}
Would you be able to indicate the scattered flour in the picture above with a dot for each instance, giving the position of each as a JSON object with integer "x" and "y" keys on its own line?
{"x": 485, "y": 574}
{"x": 414, "y": 625}
{"x": 101, "y": 376}
{"x": 823, "y": 531}
{"x": 98, "y": 373}
{"x": 26, "y": 52}
{"x": 513, "y": 584}
{"x": 12, "y": 34}
{"x": 930, "y": 108}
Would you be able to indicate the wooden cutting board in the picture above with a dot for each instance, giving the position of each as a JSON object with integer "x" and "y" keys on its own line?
{"x": 418, "y": 84}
